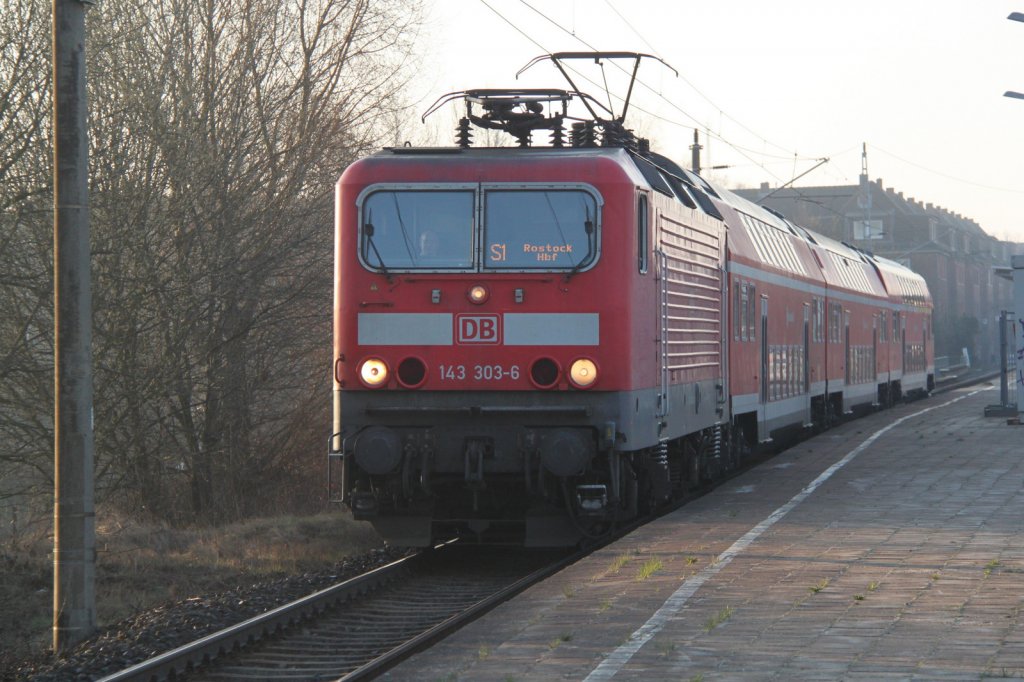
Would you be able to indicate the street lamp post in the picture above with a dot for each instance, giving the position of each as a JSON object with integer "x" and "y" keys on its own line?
{"x": 1015, "y": 16}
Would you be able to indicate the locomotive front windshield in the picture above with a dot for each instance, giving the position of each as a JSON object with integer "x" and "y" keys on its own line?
{"x": 405, "y": 230}
{"x": 545, "y": 230}
{"x": 479, "y": 229}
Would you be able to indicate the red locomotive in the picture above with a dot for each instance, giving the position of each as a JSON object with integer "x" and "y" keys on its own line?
{"x": 533, "y": 344}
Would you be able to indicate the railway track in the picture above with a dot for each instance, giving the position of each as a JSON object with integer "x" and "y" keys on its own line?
{"x": 361, "y": 627}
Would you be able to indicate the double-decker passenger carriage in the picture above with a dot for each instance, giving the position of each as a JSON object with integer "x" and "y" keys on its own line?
{"x": 905, "y": 333}
{"x": 810, "y": 320}
{"x": 533, "y": 344}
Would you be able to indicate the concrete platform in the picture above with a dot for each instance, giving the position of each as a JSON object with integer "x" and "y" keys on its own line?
{"x": 889, "y": 548}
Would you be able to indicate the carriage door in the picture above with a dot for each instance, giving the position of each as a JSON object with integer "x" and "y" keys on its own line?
{"x": 765, "y": 366}
{"x": 805, "y": 366}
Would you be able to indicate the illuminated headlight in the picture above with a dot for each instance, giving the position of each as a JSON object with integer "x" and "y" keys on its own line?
{"x": 583, "y": 373}
{"x": 373, "y": 372}
{"x": 477, "y": 294}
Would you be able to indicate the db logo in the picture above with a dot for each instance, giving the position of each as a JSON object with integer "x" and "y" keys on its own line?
{"x": 478, "y": 329}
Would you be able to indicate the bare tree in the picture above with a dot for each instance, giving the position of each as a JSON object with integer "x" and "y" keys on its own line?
{"x": 26, "y": 238}
{"x": 242, "y": 115}
{"x": 218, "y": 129}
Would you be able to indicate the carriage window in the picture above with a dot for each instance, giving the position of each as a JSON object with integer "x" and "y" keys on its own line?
{"x": 737, "y": 319}
{"x": 427, "y": 229}
{"x": 752, "y": 312}
{"x": 539, "y": 229}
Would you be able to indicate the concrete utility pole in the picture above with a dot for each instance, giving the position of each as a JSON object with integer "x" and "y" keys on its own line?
{"x": 74, "y": 523}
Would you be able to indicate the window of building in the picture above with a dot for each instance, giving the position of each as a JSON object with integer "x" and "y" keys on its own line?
{"x": 868, "y": 229}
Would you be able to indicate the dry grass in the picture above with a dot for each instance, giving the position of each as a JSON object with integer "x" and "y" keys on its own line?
{"x": 139, "y": 566}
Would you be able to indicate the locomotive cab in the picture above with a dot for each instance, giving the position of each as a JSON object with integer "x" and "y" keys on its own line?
{"x": 512, "y": 327}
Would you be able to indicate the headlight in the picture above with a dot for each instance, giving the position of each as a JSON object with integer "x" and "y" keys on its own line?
{"x": 583, "y": 373}
{"x": 373, "y": 372}
{"x": 477, "y": 294}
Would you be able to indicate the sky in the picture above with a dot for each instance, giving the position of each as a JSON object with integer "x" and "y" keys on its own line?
{"x": 774, "y": 87}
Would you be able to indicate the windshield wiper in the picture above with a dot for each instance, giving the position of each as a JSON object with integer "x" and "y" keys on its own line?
{"x": 368, "y": 231}
{"x": 401, "y": 224}
{"x": 588, "y": 226}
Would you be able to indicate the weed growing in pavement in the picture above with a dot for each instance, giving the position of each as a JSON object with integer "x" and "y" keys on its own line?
{"x": 990, "y": 565}
{"x": 483, "y": 652}
{"x": 619, "y": 562}
{"x": 822, "y": 584}
{"x": 872, "y": 586}
{"x": 564, "y": 637}
{"x": 858, "y": 597}
{"x": 717, "y": 619}
{"x": 935, "y": 576}
{"x": 604, "y": 605}
{"x": 650, "y": 567}
{"x": 665, "y": 648}
{"x": 569, "y": 591}
{"x": 691, "y": 560}
{"x": 699, "y": 677}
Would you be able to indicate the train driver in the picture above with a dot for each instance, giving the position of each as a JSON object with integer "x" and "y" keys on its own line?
{"x": 430, "y": 244}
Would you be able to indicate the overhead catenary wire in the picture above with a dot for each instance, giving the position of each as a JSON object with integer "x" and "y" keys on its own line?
{"x": 946, "y": 175}
{"x": 742, "y": 151}
{"x": 695, "y": 88}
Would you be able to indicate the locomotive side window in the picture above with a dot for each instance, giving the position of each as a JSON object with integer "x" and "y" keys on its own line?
{"x": 539, "y": 229}
{"x": 642, "y": 222}
{"x": 409, "y": 230}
